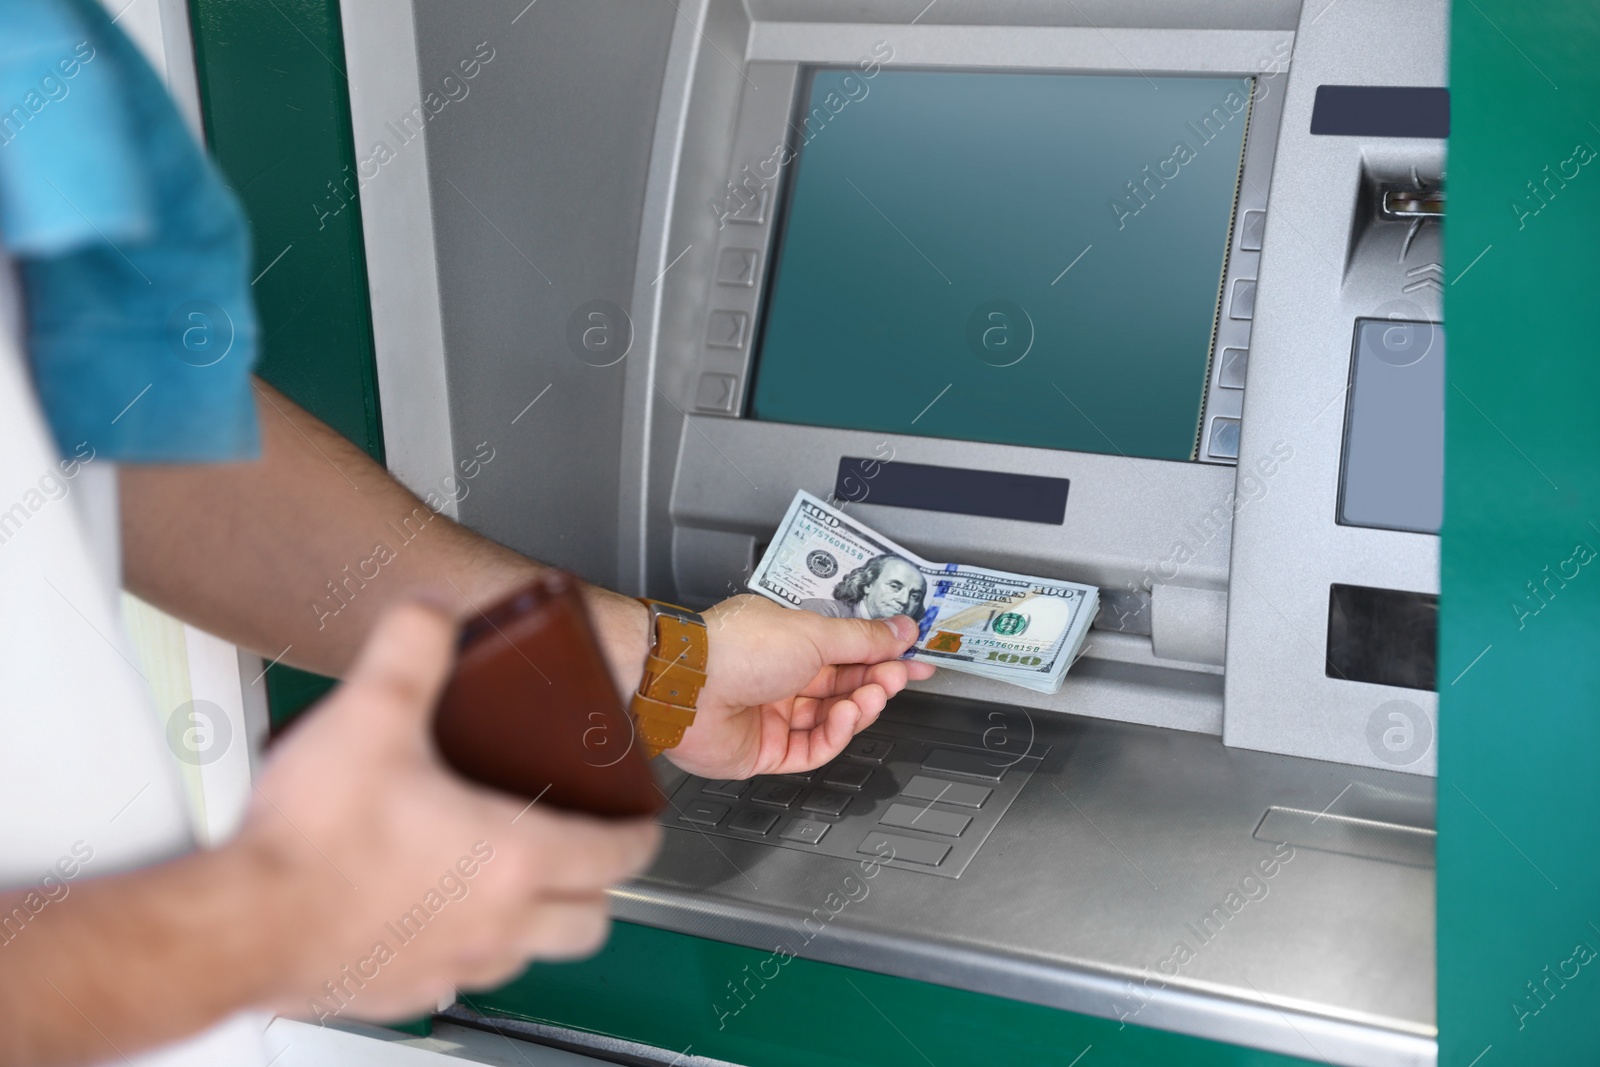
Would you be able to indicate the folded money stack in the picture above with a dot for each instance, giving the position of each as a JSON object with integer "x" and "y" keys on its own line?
{"x": 1011, "y": 627}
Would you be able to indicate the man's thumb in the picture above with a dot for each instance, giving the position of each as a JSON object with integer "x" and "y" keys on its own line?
{"x": 407, "y": 657}
{"x": 864, "y": 641}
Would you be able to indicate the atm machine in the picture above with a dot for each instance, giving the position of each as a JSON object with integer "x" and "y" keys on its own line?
{"x": 1143, "y": 295}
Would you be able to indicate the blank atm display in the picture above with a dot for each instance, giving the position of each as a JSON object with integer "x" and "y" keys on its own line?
{"x": 1393, "y": 475}
{"x": 1030, "y": 259}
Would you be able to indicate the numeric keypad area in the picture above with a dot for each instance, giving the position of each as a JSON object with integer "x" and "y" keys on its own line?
{"x": 925, "y": 803}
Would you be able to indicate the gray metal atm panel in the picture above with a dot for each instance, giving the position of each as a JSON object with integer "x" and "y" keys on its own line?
{"x": 1322, "y": 268}
{"x": 1123, "y": 842}
{"x": 536, "y": 177}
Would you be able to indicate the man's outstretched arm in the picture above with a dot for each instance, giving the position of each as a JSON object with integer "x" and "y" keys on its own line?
{"x": 262, "y": 553}
{"x": 304, "y": 549}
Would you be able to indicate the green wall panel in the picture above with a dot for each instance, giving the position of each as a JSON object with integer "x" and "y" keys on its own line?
{"x": 677, "y": 993}
{"x": 277, "y": 119}
{"x": 1519, "y": 759}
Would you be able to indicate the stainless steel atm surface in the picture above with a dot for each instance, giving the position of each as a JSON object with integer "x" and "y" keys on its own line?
{"x": 633, "y": 238}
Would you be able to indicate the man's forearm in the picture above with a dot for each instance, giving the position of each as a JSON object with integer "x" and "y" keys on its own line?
{"x": 79, "y": 965}
{"x": 298, "y": 554}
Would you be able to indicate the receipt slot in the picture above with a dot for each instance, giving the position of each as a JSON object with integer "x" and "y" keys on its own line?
{"x": 1147, "y": 300}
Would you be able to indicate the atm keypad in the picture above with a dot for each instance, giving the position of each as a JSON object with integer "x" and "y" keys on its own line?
{"x": 940, "y": 796}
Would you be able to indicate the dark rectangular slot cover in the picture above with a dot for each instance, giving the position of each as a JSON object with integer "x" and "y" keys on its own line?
{"x": 1381, "y": 111}
{"x": 988, "y": 494}
{"x": 1383, "y": 636}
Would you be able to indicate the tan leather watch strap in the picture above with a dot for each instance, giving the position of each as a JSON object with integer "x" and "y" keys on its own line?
{"x": 674, "y": 672}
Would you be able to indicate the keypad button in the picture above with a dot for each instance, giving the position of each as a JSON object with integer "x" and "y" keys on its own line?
{"x": 972, "y": 764}
{"x": 961, "y": 794}
{"x": 871, "y": 749}
{"x": 846, "y": 775}
{"x": 909, "y": 849}
{"x": 925, "y": 818}
{"x": 778, "y": 794}
{"x": 826, "y": 802}
{"x": 704, "y": 812}
{"x": 806, "y": 831}
{"x": 753, "y": 821}
{"x": 725, "y": 788}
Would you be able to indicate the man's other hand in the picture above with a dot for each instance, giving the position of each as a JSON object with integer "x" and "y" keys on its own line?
{"x": 403, "y": 881}
{"x": 786, "y": 690}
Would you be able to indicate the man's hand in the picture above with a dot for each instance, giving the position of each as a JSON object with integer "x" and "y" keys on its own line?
{"x": 404, "y": 876}
{"x": 367, "y": 881}
{"x": 786, "y": 690}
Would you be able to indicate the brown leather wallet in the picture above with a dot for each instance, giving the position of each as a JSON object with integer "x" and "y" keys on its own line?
{"x": 531, "y": 708}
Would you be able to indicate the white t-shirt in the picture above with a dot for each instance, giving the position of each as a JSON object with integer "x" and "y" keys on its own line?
{"x": 88, "y": 786}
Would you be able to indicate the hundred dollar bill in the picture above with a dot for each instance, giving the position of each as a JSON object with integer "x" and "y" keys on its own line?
{"x": 1012, "y": 627}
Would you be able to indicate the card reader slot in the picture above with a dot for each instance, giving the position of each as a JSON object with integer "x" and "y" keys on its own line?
{"x": 1386, "y": 842}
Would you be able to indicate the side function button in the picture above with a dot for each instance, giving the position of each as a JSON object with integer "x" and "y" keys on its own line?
{"x": 1230, "y": 375}
{"x": 826, "y": 802}
{"x": 738, "y": 266}
{"x": 1243, "y": 305}
{"x": 909, "y": 849}
{"x": 961, "y": 794}
{"x": 1224, "y": 439}
{"x": 704, "y": 812}
{"x": 716, "y": 392}
{"x": 846, "y": 775}
{"x": 728, "y": 329}
{"x": 1251, "y": 228}
{"x": 871, "y": 749}
{"x": 806, "y": 831}
{"x": 753, "y": 821}
{"x": 971, "y": 764}
{"x": 927, "y": 819}
{"x": 779, "y": 794}
{"x": 725, "y": 788}
{"x": 746, "y": 205}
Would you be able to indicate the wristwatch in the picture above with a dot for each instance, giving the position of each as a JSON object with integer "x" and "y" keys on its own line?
{"x": 674, "y": 672}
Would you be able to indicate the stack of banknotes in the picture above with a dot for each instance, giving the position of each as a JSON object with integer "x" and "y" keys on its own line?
{"x": 1010, "y": 627}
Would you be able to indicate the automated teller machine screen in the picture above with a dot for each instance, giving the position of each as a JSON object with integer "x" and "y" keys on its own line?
{"x": 928, "y": 233}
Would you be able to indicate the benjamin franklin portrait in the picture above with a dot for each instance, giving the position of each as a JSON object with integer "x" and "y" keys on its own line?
{"x": 883, "y": 586}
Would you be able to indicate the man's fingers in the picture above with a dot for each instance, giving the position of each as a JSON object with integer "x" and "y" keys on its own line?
{"x": 861, "y": 640}
{"x": 892, "y": 675}
{"x": 593, "y": 853}
{"x": 407, "y": 658}
{"x": 566, "y": 929}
